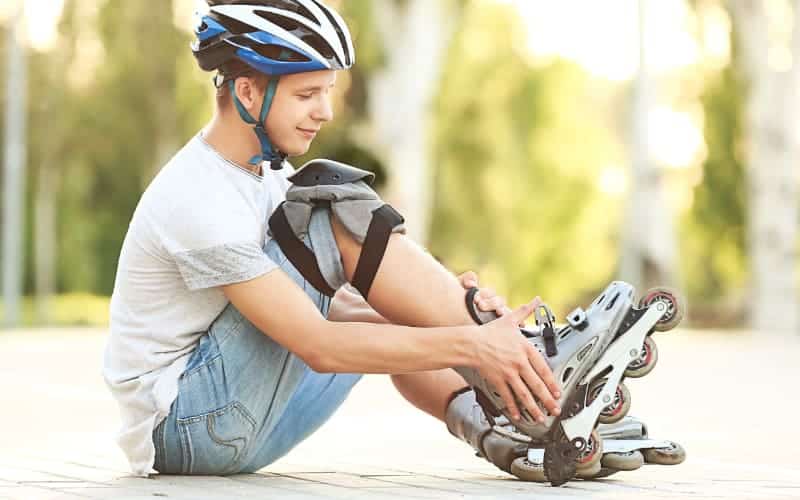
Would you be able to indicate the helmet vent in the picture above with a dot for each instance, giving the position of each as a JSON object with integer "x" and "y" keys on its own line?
{"x": 300, "y": 31}
{"x": 281, "y": 53}
{"x": 232, "y": 25}
{"x": 274, "y": 52}
{"x": 284, "y": 22}
{"x": 292, "y": 6}
{"x": 342, "y": 39}
{"x": 319, "y": 44}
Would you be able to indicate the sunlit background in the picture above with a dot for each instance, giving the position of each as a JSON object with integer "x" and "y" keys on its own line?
{"x": 538, "y": 143}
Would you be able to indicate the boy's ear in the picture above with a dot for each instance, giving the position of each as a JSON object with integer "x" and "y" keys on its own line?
{"x": 250, "y": 89}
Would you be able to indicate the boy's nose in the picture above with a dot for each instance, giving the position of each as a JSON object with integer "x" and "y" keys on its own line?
{"x": 324, "y": 112}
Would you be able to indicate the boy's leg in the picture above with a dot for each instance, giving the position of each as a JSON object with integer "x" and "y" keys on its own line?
{"x": 411, "y": 287}
{"x": 314, "y": 401}
{"x": 398, "y": 278}
{"x": 240, "y": 384}
{"x": 429, "y": 391}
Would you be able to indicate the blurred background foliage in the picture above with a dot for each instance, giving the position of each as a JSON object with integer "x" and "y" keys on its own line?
{"x": 522, "y": 189}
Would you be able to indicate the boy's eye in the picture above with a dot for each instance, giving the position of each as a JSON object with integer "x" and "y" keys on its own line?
{"x": 305, "y": 96}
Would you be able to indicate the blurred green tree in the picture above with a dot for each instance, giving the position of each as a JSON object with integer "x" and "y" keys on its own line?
{"x": 100, "y": 129}
{"x": 714, "y": 230}
{"x": 518, "y": 153}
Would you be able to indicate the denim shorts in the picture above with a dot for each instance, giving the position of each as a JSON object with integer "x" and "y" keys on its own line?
{"x": 244, "y": 401}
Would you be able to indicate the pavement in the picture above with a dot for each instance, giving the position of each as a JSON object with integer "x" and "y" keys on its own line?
{"x": 730, "y": 398}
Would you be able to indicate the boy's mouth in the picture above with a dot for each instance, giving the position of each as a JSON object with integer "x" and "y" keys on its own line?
{"x": 309, "y": 133}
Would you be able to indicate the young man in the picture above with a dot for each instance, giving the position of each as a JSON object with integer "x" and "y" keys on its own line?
{"x": 222, "y": 355}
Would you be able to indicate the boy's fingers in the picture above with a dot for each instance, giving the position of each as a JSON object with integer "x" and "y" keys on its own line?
{"x": 543, "y": 370}
{"x": 526, "y": 310}
{"x": 469, "y": 279}
{"x": 526, "y": 398}
{"x": 495, "y": 304}
{"x": 540, "y": 390}
{"x": 508, "y": 399}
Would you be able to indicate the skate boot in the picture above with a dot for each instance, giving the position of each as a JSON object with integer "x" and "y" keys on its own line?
{"x": 466, "y": 420}
{"x": 501, "y": 443}
{"x": 588, "y": 357}
{"x": 622, "y": 446}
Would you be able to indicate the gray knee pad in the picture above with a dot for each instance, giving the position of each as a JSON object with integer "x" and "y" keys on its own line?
{"x": 321, "y": 189}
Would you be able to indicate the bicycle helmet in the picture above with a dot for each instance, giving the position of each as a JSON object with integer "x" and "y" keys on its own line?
{"x": 273, "y": 37}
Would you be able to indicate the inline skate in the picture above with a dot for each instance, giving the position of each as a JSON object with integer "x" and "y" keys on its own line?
{"x": 589, "y": 357}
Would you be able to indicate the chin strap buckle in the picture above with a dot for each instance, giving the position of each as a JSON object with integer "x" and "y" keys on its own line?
{"x": 277, "y": 161}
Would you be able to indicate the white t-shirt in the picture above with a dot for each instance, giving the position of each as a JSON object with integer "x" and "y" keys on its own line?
{"x": 200, "y": 224}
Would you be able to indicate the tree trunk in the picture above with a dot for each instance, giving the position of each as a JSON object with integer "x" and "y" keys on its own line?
{"x": 415, "y": 35}
{"x": 648, "y": 250}
{"x": 45, "y": 240}
{"x": 14, "y": 167}
{"x": 771, "y": 158}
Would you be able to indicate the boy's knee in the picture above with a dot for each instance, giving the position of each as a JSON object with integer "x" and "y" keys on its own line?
{"x": 344, "y": 240}
{"x": 357, "y": 224}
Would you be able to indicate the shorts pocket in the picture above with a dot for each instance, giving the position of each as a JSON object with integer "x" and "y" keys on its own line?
{"x": 216, "y": 442}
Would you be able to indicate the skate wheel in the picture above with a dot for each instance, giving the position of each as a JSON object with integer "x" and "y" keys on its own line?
{"x": 605, "y": 472}
{"x": 646, "y": 362}
{"x": 617, "y": 409}
{"x": 528, "y": 471}
{"x": 631, "y": 460}
{"x": 590, "y": 472}
{"x": 676, "y": 306}
{"x": 672, "y": 455}
{"x": 592, "y": 454}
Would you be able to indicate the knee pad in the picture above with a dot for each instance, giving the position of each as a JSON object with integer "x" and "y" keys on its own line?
{"x": 321, "y": 189}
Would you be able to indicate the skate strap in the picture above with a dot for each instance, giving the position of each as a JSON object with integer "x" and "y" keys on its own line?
{"x": 301, "y": 257}
{"x": 478, "y": 316}
{"x": 384, "y": 220}
{"x": 489, "y": 409}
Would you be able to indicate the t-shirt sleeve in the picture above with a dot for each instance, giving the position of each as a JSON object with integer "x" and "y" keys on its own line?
{"x": 215, "y": 245}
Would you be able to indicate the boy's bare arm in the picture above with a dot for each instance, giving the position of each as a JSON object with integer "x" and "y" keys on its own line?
{"x": 349, "y": 306}
{"x": 276, "y": 305}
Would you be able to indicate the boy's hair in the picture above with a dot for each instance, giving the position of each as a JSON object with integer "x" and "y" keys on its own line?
{"x": 230, "y": 71}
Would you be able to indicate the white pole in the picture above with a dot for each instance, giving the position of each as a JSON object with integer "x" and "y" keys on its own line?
{"x": 633, "y": 251}
{"x": 14, "y": 171}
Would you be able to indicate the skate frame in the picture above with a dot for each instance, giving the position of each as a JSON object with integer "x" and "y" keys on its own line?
{"x": 612, "y": 445}
{"x": 618, "y": 356}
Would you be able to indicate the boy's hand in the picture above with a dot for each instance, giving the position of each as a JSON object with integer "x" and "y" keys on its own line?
{"x": 486, "y": 299}
{"x": 514, "y": 368}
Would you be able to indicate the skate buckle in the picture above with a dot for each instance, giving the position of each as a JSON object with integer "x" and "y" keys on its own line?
{"x": 545, "y": 319}
{"x": 577, "y": 319}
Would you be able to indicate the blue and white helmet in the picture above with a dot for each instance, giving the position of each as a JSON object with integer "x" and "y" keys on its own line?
{"x": 274, "y": 37}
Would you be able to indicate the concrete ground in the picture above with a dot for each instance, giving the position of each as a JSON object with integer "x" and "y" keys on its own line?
{"x": 729, "y": 398}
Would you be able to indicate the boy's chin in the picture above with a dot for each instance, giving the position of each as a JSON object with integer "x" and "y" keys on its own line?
{"x": 299, "y": 150}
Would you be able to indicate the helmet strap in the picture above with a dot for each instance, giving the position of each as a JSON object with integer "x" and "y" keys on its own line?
{"x": 268, "y": 153}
